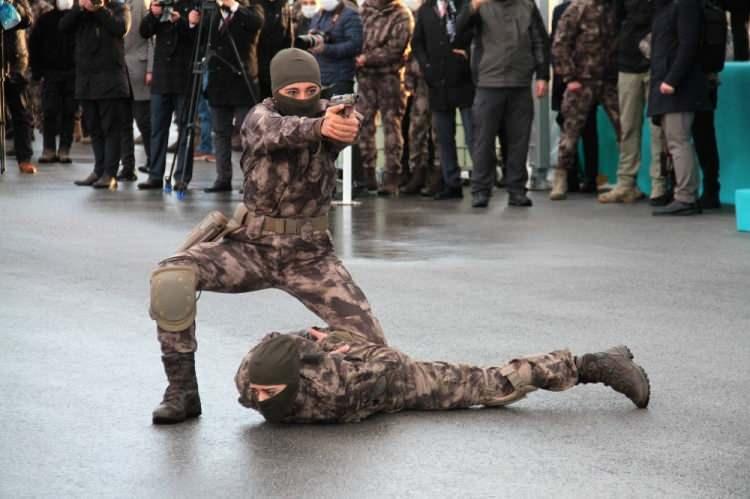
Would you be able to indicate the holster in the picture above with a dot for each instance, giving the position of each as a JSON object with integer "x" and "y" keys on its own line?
{"x": 213, "y": 227}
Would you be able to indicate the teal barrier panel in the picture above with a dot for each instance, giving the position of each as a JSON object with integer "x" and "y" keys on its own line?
{"x": 732, "y": 133}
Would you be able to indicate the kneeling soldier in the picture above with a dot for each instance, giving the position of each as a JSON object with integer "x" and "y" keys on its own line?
{"x": 290, "y": 145}
{"x": 335, "y": 376}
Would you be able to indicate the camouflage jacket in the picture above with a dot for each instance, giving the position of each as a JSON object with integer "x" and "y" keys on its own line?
{"x": 412, "y": 75}
{"x": 289, "y": 167}
{"x": 585, "y": 45}
{"x": 387, "y": 26}
{"x": 342, "y": 388}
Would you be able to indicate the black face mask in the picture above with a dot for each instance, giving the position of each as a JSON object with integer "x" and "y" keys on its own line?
{"x": 279, "y": 406}
{"x": 289, "y": 106}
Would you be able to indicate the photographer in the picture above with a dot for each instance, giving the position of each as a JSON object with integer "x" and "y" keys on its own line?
{"x": 234, "y": 34}
{"x": 101, "y": 80}
{"x": 16, "y": 91}
{"x": 173, "y": 24}
{"x": 337, "y": 31}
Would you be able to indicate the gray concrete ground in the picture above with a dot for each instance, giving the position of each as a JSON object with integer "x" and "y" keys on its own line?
{"x": 80, "y": 369}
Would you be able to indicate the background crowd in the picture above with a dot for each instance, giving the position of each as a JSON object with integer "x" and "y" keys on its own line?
{"x": 93, "y": 67}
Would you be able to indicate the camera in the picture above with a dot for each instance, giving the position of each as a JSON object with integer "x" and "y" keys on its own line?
{"x": 167, "y": 9}
{"x": 312, "y": 39}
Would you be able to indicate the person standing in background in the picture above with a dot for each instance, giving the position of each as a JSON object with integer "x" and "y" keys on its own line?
{"x": 276, "y": 34}
{"x": 739, "y": 12}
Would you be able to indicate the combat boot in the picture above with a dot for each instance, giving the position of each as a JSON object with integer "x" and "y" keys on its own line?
{"x": 559, "y": 185}
{"x": 416, "y": 182}
{"x": 181, "y": 399}
{"x": 621, "y": 194}
{"x": 615, "y": 368}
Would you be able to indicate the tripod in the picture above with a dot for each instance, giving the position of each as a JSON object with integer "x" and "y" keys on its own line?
{"x": 203, "y": 53}
{"x": 2, "y": 101}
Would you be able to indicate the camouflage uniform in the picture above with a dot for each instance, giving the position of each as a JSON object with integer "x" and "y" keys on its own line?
{"x": 421, "y": 131}
{"x": 387, "y": 26}
{"x": 289, "y": 173}
{"x": 38, "y": 7}
{"x": 372, "y": 377}
{"x": 584, "y": 50}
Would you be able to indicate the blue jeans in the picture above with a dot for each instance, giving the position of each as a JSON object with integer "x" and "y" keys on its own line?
{"x": 445, "y": 125}
{"x": 163, "y": 106}
{"x": 204, "y": 117}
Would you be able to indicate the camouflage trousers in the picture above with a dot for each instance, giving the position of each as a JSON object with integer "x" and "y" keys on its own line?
{"x": 384, "y": 93}
{"x": 576, "y": 107}
{"x": 435, "y": 386}
{"x": 305, "y": 266}
{"x": 421, "y": 130}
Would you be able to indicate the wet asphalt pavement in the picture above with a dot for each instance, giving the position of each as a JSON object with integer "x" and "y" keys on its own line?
{"x": 80, "y": 370}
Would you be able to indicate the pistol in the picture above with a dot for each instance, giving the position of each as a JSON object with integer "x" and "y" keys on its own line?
{"x": 348, "y": 100}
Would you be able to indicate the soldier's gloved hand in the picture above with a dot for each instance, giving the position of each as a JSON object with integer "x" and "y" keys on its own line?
{"x": 339, "y": 128}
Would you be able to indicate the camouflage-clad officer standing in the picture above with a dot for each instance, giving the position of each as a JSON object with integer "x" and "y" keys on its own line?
{"x": 585, "y": 57}
{"x": 317, "y": 376}
{"x": 387, "y": 26}
{"x": 426, "y": 177}
{"x": 290, "y": 145}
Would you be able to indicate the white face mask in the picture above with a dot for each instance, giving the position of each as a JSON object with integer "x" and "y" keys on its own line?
{"x": 360, "y": 3}
{"x": 309, "y": 11}
{"x": 64, "y": 4}
{"x": 329, "y": 5}
{"x": 413, "y": 5}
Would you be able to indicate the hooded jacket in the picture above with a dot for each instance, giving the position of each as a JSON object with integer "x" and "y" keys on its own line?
{"x": 387, "y": 26}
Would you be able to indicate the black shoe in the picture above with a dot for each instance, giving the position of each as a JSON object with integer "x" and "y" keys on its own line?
{"x": 151, "y": 185}
{"x": 127, "y": 176}
{"x": 180, "y": 186}
{"x": 88, "y": 181}
{"x": 588, "y": 187}
{"x": 678, "y": 208}
{"x": 662, "y": 200}
{"x": 219, "y": 187}
{"x": 519, "y": 199}
{"x": 449, "y": 193}
{"x": 710, "y": 201}
{"x": 143, "y": 169}
{"x": 481, "y": 200}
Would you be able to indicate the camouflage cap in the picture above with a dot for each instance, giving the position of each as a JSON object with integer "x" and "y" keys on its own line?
{"x": 293, "y": 66}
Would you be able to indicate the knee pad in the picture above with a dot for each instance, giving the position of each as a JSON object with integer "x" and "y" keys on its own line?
{"x": 173, "y": 297}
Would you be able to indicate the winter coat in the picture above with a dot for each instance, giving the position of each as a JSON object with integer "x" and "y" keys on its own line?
{"x": 448, "y": 75}
{"x": 15, "y": 48}
{"x": 225, "y": 86}
{"x": 344, "y": 26}
{"x": 276, "y": 34}
{"x": 139, "y": 52}
{"x": 675, "y": 41}
{"x": 173, "y": 50}
{"x": 585, "y": 47}
{"x": 99, "y": 51}
{"x": 387, "y": 26}
{"x": 51, "y": 50}
{"x": 511, "y": 43}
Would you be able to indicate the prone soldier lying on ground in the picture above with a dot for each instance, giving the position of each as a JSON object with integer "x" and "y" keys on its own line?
{"x": 336, "y": 376}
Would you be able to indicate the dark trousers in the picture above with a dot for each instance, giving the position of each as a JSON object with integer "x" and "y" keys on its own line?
{"x": 104, "y": 119}
{"x": 445, "y": 126}
{"x": 163, "y": 106}
{"x": 590, "y": 138}
{"x": 507, "y": 112}
{"x": 704, "y": 140}
{"x": 141, "y": 111}
{"x": 17, "y": 102}
{"x": 739, "y": 18}
{"x": 59, "y": 108}
{"x": 223, "y": 118}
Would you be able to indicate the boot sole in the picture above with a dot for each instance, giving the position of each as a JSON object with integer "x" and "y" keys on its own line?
{"x": 625, "y": 351}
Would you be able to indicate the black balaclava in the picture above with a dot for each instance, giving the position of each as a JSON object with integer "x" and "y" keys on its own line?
{"x": 276, "y": 362}
{"x": 294, "y": 66}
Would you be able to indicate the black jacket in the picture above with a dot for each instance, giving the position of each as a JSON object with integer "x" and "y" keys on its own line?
{"x": 226, "y": 86}
{"x": 99, "y": 51}
{"x": 448, "y": 75}
{"x": 634, "y": 21}
{"x": 675, "y": 40}
{"x": 15, "y": 50}
{"x": 276, "y": 35}
{"x": 51, "y": 50}
{"x": 173, "y": 51}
